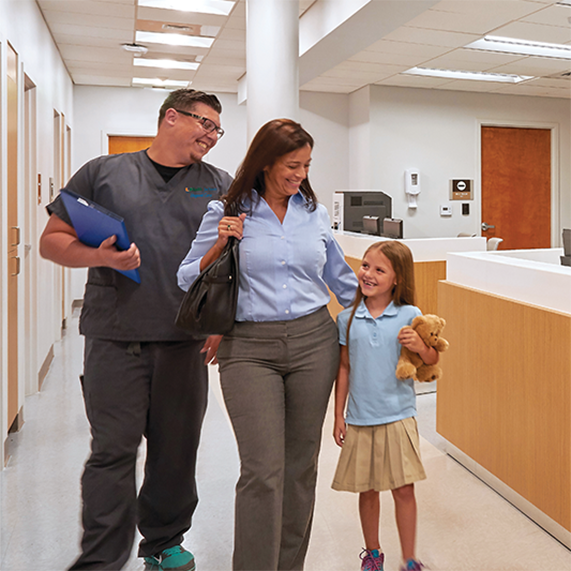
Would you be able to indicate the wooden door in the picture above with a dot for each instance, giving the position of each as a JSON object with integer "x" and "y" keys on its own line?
{"x": 30, "y": 239}
{"x": 119, "y": 144}
{"x": 13, "y": 234}
{"x": 516, "y": 186}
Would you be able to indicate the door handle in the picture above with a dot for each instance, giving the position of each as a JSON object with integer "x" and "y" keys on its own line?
{"x": 16, "y": 236}
{"x": 17, "y": 260}
{"x": 486, "y": 226}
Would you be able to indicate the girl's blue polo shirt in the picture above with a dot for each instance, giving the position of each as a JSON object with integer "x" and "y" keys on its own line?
{"x": 376, "y": 396}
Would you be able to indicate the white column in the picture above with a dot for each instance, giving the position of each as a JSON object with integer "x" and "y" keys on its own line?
{"x": 272, "y": 53}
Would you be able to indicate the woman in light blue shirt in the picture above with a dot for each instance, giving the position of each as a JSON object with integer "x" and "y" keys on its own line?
{"x": 278, "y": 364}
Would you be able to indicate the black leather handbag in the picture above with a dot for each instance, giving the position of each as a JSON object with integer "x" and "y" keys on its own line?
{"x": 209, "y": 305}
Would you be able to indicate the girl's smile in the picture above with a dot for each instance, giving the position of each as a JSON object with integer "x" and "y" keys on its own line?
{"x": 376, "y": 276}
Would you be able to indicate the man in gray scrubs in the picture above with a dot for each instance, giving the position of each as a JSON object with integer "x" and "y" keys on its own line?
{"x": 142, "y": 375}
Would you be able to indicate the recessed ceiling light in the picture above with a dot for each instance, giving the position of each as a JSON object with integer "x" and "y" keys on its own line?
{"x": 472, "y": 75}
{"x": 166, "y": 63}
{"x": 521, "y": 47}
{"x": 156, "y": 82}
{"x": 174, "y": 39}
{"x": 136, "y": 49}
{"x": 219, "y": 7}
{"x": 176, "y": 27}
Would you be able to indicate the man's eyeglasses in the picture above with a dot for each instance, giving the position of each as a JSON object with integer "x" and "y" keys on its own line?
{"x": 207, "y": 124}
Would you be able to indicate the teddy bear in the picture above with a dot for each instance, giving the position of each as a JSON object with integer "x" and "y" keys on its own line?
{"x": 410, "y": 365}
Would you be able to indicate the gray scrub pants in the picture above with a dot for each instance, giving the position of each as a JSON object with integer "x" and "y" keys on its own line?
{"x": 157, "y": 390}
{"x": 277, "y": 378}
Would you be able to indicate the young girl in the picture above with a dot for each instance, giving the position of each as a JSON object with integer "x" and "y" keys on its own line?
{"x": 379, "y": 436}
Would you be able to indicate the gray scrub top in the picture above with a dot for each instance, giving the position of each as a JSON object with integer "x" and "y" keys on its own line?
{"x": 162, "y": 218}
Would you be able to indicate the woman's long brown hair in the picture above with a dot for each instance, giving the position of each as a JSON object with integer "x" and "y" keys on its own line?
{"x": 274, "y": 139}
{"x": 401, "y": 260}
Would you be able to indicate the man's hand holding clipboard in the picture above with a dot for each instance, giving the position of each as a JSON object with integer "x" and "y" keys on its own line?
{"x": 102, "y": 229}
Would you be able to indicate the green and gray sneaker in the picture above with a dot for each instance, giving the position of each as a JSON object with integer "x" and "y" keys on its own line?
{"x": 172, "y": 559}
{"x": 152, "y": 564}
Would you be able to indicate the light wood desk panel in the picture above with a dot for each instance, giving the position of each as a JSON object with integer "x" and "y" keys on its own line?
{"x": 505, "y": 396}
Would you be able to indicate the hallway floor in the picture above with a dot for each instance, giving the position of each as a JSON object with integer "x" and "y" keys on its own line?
{"x": 463, "y": 524}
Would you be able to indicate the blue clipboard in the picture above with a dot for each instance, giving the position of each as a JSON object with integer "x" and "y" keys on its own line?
{"x": 93, "y": 224}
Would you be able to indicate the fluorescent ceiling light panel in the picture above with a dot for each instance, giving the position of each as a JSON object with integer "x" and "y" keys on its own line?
{"x": 218, "y": 7}
{"x": 173, "y": 39}
{"x": 156, "y": 82}
{"x": 521, "y": 47}
{"x": 166, "y": 63}
{"x": 472, "y": 75}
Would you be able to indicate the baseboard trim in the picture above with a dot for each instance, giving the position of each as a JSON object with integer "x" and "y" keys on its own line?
{"x": 18, "y": 422}
{"x": 525, "y": 506}
{"x": 45, "y": 367}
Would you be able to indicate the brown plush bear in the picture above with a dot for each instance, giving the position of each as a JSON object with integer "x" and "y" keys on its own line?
{"x": 410, "y": 365}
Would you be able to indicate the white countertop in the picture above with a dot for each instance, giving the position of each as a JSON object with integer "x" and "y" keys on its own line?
{"x": 423, "y": 249}
{"x": 531, "y": 276}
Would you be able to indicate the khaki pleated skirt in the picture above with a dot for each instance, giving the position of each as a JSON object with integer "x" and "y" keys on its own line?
{"x": 382, "y": 457}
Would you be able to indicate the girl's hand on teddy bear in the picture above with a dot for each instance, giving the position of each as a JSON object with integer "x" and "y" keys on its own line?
{"x": 410, "y": 339}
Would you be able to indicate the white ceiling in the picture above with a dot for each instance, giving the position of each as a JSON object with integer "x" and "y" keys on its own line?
{"x": 89, "y": 34}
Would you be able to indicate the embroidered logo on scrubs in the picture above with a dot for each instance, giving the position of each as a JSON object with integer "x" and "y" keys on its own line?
{"x": 199, "y": 192}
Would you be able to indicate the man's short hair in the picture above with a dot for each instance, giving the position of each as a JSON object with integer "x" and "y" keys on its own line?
{"x": 185, "y": 99}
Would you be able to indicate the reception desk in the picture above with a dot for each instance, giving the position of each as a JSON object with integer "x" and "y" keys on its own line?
{"x": 504, "y": 402}
{"x": 429, "y": 261}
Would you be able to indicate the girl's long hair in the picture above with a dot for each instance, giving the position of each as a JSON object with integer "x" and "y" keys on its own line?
{"x": 274, "y": 140}
{"x": 401, "y": 260}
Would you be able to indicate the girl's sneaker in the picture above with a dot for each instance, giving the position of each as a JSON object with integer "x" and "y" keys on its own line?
{"x": 372, "y": 560}
{"x": 412, "y": 565}
{"x": 152, "y": 564}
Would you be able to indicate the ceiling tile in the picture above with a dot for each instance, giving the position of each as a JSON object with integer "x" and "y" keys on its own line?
{"x": 82, "y": 19}
{"x": 120, "y": 35}
{"x": 161, "y": 15}
{"x": 86, "y": 79}
{"x": 479, "y": 22}
{"x": 555, "y": 15}
{"x": 92, "y": 53}
{"x": 414, "y": 81}
{"x": 535, "y": 66}
{"x": 384, "y": 58}
{"x": 551, "y": 82}
{"x": 431, "y": 37}
{"x": 112, "y": 9}
{"x": 472, "y": 86}
{"x": 481, "y": 57}
{"x": 87, "y": 6}
{"x": 535, "y": 32}
{"x": 506, "y": 9}
{"x": 233, "y": 34}
{"x": 535, "y": 91}
{"x": 402, "y": 48}
{"x": 320, "y": 85}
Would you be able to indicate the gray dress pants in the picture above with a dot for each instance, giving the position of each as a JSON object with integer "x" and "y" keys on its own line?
{"x": 157, "y": 390}
{"x": 277, "y": 378}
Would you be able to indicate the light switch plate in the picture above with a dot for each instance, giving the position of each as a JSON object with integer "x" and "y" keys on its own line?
{"x": 445, "y": 210}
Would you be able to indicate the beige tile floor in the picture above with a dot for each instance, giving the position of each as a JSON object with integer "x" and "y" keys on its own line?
{"x": 463, "y": 524}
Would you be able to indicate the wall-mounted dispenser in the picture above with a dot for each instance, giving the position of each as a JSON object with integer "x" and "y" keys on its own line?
{"x": 412, "y": 186}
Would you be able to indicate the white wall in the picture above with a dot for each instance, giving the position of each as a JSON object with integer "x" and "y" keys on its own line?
{"x": 437, "y": 132}
{"x": 22, "y": 25}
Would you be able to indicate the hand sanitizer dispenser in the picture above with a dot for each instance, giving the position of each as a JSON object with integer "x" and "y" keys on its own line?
{"x": 412, "y": 186}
